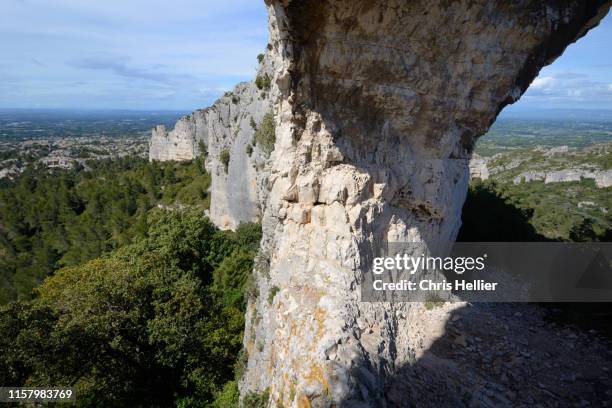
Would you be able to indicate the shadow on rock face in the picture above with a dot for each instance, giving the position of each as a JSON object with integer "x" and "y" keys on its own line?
{"x": 488, "y": 217}
{"x": 500, "y": 355}
{"x": 384, "y": 103}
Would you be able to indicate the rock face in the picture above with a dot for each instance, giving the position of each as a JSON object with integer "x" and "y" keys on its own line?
{"x": 602, "y": 178}
{"x": 478, "y": 167}
{"x": 227, "y": 127}
{"x": 378, "y": 104}
{"x": 556, "y": 151}
{"x": 529, "y": 176}
{"x": 562, "y": 176}
{"x": 179, "y": 144}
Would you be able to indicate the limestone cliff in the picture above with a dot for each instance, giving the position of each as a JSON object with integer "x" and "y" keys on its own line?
{"x": 227, "y": 129}
{"x": 478, "y": 167}
{"x": 603, "y": 178}
{"x": 178, "y": 144}
{"x": 378, "y": 105}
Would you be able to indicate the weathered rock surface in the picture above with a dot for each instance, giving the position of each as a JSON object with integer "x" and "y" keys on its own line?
{"x": 556, "y": 151}
{"x": 563, "y": 176}
{"x": 378, "y": 105}
{"x": 602, "y": 178}
{"x": 529, "y": 176}
{"x": 178, "y": 144}
{"x": 478, "y": 167}
{"x": 238, "y": 191}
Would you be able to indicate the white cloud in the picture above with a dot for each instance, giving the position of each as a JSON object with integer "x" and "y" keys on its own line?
{"x": 149, "y": 47}
{"x": 542, "y": 82}
{"x": 569, "y": 89}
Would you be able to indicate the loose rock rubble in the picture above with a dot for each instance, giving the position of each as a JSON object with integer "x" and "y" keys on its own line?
{"x": 507, "y": 355}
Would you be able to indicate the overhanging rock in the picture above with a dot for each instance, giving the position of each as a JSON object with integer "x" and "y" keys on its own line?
{"x": 378, "y": 105}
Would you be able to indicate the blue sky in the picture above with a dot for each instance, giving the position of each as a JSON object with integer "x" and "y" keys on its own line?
{"x": 134, "y": 54}
{"x": 183, "y": 54}
{"x": 581, "y": 78}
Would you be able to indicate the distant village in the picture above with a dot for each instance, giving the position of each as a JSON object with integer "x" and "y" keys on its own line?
{"x": 66, "y": 152}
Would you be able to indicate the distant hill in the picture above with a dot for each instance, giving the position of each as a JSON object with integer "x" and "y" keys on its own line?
{"x": 512, "y": 132}
{"x": 50, "y": 123}
{"x": 557, "y": 114}
{"x": 561, "y": 193}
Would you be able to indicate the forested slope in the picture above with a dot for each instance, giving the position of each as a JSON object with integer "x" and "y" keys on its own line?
{"x": 50, "y": 219}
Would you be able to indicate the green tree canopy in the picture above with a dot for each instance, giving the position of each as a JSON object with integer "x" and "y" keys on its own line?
{"x": 157, "y": 322}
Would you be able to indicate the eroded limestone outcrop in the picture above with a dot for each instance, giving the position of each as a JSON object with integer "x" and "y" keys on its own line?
{"x": 602, "y": 178}
{"x": 478, "y": 167}
{"x": 378, "y": 105}
{"x": 178, "y": 144}
{"x": 227, "y": 128}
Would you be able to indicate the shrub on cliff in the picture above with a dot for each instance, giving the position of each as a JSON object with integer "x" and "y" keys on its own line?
{"x": 263, "y": 81}
{"x": 224, "y": 158}
{"x": 257, "y": 400}
{"x": 265, "y": 135}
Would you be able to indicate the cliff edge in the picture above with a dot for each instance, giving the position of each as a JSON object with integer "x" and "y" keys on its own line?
{"x": 226, "y": 133}
{"x": 377, "y": 105}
